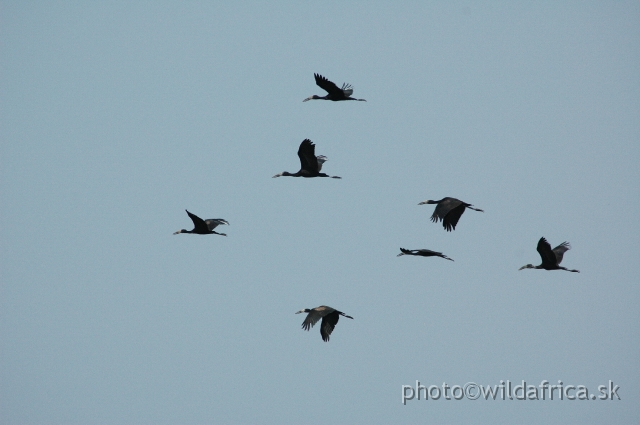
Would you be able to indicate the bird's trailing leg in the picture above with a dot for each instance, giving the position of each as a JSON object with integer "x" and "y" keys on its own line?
{"x": 570, "y": 270}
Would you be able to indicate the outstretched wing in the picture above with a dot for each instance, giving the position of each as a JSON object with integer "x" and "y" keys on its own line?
{"x": 328, "y": 325}
{"x": 307, "y": 155}
{"x": 347, "y": 89}
{"x": 321, "y": 160}
{"x": 199, "y": 224}
{"x": 314, "y": 315}
{"x": 443, "y": 207}
{"x": 560, "y": 250}
{"x": 546, "y": 254}
{"x": 404, "y": 251}
{"x": 452, "y": 217}
{"x": 327, "y": 85}
{"x": 311, "y": 319}
{"x": 212, "y": 223}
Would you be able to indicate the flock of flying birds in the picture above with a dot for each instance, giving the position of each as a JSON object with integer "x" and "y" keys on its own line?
{"x": 448, "y": 211}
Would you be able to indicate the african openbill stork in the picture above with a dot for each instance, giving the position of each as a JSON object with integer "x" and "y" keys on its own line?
{"x": 329, "y": 316}
{"x": 423, "y": 253}
{"x": 551, "y": 258}
{"x": 204, "y": 227}
{"x": 449, "y": 211}
{"x": 333, "y": 92}
{"x": 310, "y": 164}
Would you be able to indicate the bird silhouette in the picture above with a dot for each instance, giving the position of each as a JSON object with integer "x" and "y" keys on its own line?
{"x": 203, "y": 227}
{"x": 423, "y": 253}
{"x": 333, "y": 92}
{"x": 310, "y": 164}
{"x": 448, "y": 211}
{"x": 551, "y": 258}
{"x": 329, "y": 316}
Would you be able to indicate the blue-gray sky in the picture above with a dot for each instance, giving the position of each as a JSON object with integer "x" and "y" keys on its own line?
{"x": 117, "y": 116}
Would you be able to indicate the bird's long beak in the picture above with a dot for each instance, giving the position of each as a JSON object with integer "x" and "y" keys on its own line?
{"x": 422, "y": 203}
{"x": 309, "y": 98}
{"x": 301, "y": 311}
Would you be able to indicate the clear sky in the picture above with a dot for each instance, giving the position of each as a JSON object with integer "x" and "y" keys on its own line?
{"x": 118, "y": 116}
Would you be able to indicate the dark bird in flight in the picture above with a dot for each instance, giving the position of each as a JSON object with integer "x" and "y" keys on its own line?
{"x": 310, "y": 164}
{"x": 551, "y": 258}
{"x": 423, "y": 253}
{"x": 329, "y": 316}
{"x": 204, "y": 227}
{"x": 448, "y": 211}
{"x": 333, "y": 92}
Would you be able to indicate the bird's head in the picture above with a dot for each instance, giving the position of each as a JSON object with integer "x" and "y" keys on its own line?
{"x": 306, "y": 310}
{"x": 180, "y": 231}
{"x": 528, "y": 266}
{"x": 315, "y": 96}
{"x": 428, "y": 202}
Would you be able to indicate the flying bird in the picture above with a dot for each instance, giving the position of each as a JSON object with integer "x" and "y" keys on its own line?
{"x": 423, "y": 253}
{"x": 329, "y": 316}
{"x": 448, "y": 211}
{"x": 203, "y": 227}
{"x": 310, "y": 164}
{"x": 551, "y": 258}
{"x": 333, "y": 92}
